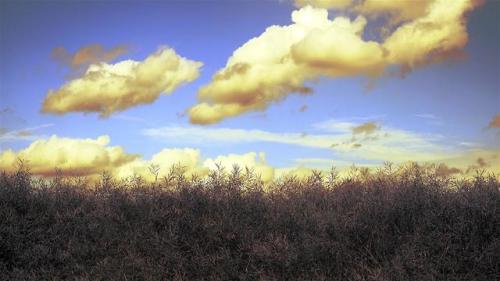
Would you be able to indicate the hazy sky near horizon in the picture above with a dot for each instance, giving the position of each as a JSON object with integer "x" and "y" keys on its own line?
{"x": 117, "y": 84}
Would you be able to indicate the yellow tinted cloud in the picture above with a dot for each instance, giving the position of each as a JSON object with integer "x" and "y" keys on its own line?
{"x": 269, "y": 67}
{"x": 87, "y": 55}
{"x": 73, "y": 156}
{"x": 469, "y": 161}
{"x": 192, "y": 163}
{"x": 365, "y": 128}
{"x": 251, "y": 160}
{"x": 187, "y": 158}
{"x": 279, "y": 61}
{"x": 108, "y": 88}
{"x": 298, "y": 172}
{"x": 90, "y": 157}
{"x": 398, "y": 10}
{"x": 495, "y": 122}
{"x": 432, "y": 37}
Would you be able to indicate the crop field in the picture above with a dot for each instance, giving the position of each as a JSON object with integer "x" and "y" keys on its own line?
{"x": 402, "y": 223}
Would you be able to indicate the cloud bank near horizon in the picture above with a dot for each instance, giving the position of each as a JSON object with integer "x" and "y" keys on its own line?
{"x": 90, "y": 157}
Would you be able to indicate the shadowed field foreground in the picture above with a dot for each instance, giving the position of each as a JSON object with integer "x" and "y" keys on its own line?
{"x": 393, "y": 224}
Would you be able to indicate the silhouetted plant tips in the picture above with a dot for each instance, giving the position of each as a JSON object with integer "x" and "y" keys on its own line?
{"x": 391, "y": 223}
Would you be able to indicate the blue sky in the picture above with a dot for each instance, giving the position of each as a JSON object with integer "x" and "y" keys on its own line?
{"x": 448, "y": 104}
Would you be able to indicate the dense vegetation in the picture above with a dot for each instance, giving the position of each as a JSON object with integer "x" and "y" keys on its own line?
{"x": 409, "y": 223}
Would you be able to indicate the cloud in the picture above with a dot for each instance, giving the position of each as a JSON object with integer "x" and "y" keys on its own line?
{"x": 397, "y": 10}
{"x": 297, "y": 172}
{"x": 21, "y": 134}
{"x": 200, "y": 136}
{"x": 365, "y": 128}
{"x": 252, "y": 160}
{"x": 193, "y": 163}
{"x": 90, "y": 157}
{"x": 469, "y": 144}
{"x": 495, "y": 122}
{"x": 280, "y": 61}
{"x": 86, "y": 56}
{"x": 328, "y": 4}
{"x": 129, "y": 118}
{"x": 431, "y": 38}
{"x": 334, "y": 135}
{"x": 24, "y": 133}
{"x": 269, "y": 67}
{"x": 187, "y": 158}
{"x": 430, "y": 118}
{"x": 79, "y": 157}
{"x": 444, "y": 171}
{"x": 477, "y": 158}
{"x": 321, "y": 163}
{"x": 481, "y": 162}
{"x": 108, "y": 88}
{"x": 356, "y": 145}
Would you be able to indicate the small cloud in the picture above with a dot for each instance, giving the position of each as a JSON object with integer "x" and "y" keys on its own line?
{"x": 24, "y": 133}
{"x": 469, "y": 144}
{"x": 430, "y": 118}
{"x": 481, "y": 162}
{"x": 253, "y": 160}
{"x": 427, "y": 116}
{"x": 495, "y": 122}
{"x": 86, "y": 56}
{"x": 129, "y": 118}
{"x": 365, "y": 128}
{"x": 371, "y": 138}
{"x": 443, "y": 170}
{"x": 187, "y": 158}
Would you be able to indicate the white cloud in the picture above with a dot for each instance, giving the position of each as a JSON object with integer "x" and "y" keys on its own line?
{"x": 25, "y": 134}
{"x": 335, "y": 135}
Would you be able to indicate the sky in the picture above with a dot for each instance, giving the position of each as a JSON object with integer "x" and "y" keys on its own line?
{"x": 279, "y": 86}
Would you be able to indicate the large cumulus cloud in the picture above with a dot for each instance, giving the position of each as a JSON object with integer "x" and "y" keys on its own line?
{"x": 78, "y": 157}
{"x": 107, "y": 88}
{"x": 90, "y": 157}
{"x": 282, "y": 59}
